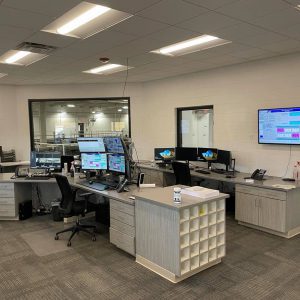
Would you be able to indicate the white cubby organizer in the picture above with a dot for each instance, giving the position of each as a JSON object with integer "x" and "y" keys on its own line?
{"x": 202, "y": 235}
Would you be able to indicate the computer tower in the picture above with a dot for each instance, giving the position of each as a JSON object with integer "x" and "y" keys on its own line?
{"x": 25, "y": 210}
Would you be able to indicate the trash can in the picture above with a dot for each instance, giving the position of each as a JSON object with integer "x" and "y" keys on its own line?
{"x": 56, "y": 215}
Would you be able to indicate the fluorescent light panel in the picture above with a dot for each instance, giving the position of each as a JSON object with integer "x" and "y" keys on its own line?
{"x": 20, "y": 58}
{"x": 2, "y": 75}
{"x": 107, "y": 69}
{"x": 192, "y": 45}
{"x": 85, "y": 20}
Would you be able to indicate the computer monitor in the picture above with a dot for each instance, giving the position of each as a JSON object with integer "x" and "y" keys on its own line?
{"x": 89, "y": 144}
{"x": 165, "y": 154}
{"x": 224, "y": 157}
{"x": 116, "y": 163}
{"x": 93, "y": 161}
{"x": 186, "y": 153}
{"x": 114, "y": 144}
{"x": 66, "y": 159}
{"x": 207, "y": 154}
{"x": 45, "y": 160}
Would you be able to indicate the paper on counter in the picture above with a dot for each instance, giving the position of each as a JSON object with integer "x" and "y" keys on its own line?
{"x": 201, "y": 192}
{"x": 284, "y": 186}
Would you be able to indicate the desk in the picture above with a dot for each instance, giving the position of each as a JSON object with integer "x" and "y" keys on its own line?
{"x": 122, "y": 210}
{"x": 259, "y": 205}
{"x": 13, "y": 164}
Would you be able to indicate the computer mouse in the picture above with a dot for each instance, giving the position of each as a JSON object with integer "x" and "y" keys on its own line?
{"x": 91, "y": 182}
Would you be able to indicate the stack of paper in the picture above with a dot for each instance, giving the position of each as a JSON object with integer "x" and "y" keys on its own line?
{"x": 201, "y": 192}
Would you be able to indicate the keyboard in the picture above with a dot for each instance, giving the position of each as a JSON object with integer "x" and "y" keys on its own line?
{"x": 37, "y": 177}
{"x": 95, "y": 185}
{"x": 202, "y": 171}
{"x": 219, "y": 171}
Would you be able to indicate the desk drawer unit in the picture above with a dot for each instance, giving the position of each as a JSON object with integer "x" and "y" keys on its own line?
{"x": 5, "y": 201}
{"x": 262, "y": 192}
{"x": 7, "y": 190}
{"x": 7, "y": 210}
{"x": 122, "y": 226}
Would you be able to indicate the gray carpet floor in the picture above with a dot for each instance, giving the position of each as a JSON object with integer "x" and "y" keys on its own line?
{"x": 257, "y": 266}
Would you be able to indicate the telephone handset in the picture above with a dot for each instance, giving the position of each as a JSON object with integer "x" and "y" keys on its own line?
{"x": 121, "y": 186}
{"x": 21, "y": 172}
{"x": 258, "y": 174}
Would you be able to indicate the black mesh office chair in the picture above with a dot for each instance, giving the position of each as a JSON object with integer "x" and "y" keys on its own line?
{"x": 70, "y": 206}
{"x": 182, "y": 173}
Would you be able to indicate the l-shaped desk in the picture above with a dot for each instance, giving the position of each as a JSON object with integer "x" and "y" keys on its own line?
{"x": 268, "y": 205}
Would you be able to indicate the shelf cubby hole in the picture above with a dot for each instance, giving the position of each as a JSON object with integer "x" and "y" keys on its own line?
{"x": 221, "y": 240}
{"x": 203, "y": 210}
{"x": 184, "y": 227}
{"x": 194, "y": 237}
{"x": 185, "y": 254}
{"x": 220, "y": 216}
{"x": 195, "y": 250}
{"x": 204, "y": 259}
{"x": 212, "y": 243}
{"x": 194, "y": 225}
{"x": 185, "y": 267}
{"x": 212, "y": 207}
{"x": 221, "y": 205}
{"x": 203, "y": 234}
{"x": 184, "y": 214}
{"x": 195, "y": 262}
{"x": 221, "y": 251}
{"x": 212, "y": 231}
{"x": 203, "y": 221}
{"x": 184, "y": 241}
{"x": 220, "y": 228}
{"x": 212, "y": 255}
{"x": 212, "y": 219}
{"x": 194, "y": 212}
{"x": 204, "y": 246}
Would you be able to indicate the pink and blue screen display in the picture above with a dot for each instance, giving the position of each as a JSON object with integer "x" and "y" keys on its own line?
{"x": 279, "y": 126}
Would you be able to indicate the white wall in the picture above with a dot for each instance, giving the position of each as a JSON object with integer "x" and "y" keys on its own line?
{"x": 236, "y": 93}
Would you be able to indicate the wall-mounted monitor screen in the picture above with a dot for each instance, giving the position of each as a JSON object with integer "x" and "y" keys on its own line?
{"x": 93, "y": 161}
{"x": 86, "y": 144}
{"x": 114, "y": 144}
{"x": 116, "y": 163}
{"x": 45, "y": 160}
{"x": 279, "y": 126}
{"x": 164, "y": 153}
{"x": 207, "y": 154}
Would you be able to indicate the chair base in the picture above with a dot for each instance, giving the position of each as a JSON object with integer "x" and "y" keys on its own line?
{"x": 76, "y": 229}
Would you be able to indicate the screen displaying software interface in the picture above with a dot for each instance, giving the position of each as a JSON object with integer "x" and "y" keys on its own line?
{"x": 116, "y": 162}
{"x": 91, "y": 144}
{"x": 94, "y": 161}
{"x": 279, "y": 126}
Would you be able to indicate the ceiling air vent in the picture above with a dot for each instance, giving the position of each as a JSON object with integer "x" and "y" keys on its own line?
{"x": 36, "y": 48}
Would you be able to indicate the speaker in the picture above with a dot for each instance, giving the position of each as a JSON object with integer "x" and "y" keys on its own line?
{"x": 140, "y": 179}
{"x": 25, "y": 210}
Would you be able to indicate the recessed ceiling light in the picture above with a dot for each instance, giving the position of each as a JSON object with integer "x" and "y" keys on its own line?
{"x": 192, "y": 45}
{"x": 21, "y": 58}
{"x": 120, "y": 109}
{"x": 70, "y": 105}
{"x": 93, "y": 112}
{"x": 86, "y": 19}
{"x": 298, "y": 7}
{"x": 2, "y": 75}
{"x": 125, "y": 107}
{"x": 107, "y": 69}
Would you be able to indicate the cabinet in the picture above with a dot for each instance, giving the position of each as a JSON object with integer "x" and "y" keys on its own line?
{"x": 158, "y": 177}
{"x": 8, "y": 207}
{"x": 262, "y": 207}
{"x": 122, "y": 225}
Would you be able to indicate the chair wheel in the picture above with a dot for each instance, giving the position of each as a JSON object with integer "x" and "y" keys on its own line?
{"x": 94, "y": 239}
{"x": 56, "y": 237}
{"x": 69, "y": 244}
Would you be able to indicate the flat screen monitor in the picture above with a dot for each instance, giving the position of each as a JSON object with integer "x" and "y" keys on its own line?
{"x": 279, "y": 126}
{"x": 89, "y": 144}
{"x": 164, "y": 154}
{"x": 45, "y": 160}
{"x": 93, "y": 161}
{"x": 66, "y": 159}
{"x": 207, "y": 154}
{"x": 114, "y": 145}
{"x": 186, "y": 153}
{"x": 224, "y": 157}
{"x": 116, "y": 163}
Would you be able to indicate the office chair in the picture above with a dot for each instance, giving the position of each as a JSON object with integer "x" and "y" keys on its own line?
{"x": 70, "y": 206}
{"x": 182, "y": 173}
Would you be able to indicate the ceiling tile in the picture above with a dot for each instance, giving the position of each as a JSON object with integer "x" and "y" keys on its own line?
{"x": 52, "y": 8}
{"x": 249, "y": 10}
{"x": 167, "y": 11}
{"x": 208, "y": 22}
{"x": 21, "y": 18}
{"x": 284, "y": 46}
{"x": 56, "y": 40}
{"x": 211, "y": 4}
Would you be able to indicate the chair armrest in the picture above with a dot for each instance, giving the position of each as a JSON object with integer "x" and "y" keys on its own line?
{"x": 86, "y": 195}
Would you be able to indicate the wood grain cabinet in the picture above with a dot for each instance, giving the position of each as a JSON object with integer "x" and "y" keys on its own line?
{"x": 267, "y": 209}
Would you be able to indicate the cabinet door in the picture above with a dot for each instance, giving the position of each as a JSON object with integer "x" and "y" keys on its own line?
{"x": 272, "y": 214}
{"x": 246, "y": 208}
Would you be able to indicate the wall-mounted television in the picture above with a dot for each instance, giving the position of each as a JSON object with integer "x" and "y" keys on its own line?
{"x": 279, "y": 126}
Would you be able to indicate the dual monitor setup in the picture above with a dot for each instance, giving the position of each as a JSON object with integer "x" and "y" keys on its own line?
{"x": 167, "y": 155}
